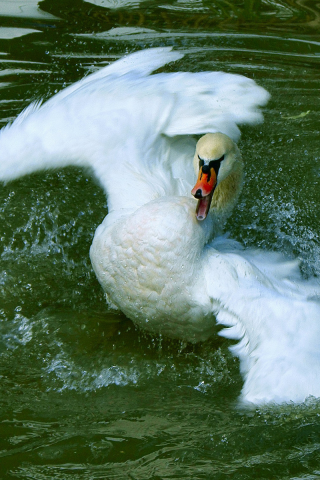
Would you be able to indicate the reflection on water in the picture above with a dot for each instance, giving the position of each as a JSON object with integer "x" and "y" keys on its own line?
{"x": 84, "y": 394}
{"x": 115, "y": 3}
{"x": 22, "y": 9}
{"x": 7, "y": 33}
{"x": 180, "y": 15}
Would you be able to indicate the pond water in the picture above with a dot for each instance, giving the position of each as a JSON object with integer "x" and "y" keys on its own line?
{"x": 83, "y": 393}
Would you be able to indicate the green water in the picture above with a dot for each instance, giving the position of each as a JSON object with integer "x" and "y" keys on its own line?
{"x": 83, "y": 394}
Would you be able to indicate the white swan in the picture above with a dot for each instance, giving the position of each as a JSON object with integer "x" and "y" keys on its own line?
{"x": 156, "y": 260}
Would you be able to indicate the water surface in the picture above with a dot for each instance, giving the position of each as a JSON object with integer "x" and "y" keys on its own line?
{"x": 83, "y": 393}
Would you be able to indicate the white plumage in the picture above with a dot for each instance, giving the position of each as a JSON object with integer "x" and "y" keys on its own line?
{"x": 154, "y": 259}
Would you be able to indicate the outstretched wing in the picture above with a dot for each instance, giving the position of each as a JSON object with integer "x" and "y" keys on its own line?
{"x": 141, "y": 64}
{"x": 121, "y": 123}
{"x": 275, "y": 316}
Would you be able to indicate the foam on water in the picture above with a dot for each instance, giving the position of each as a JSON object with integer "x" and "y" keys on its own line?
{"x": 15, "y": 333}
{"x": 74, "y": 351}
{"x": 284, "y": 233}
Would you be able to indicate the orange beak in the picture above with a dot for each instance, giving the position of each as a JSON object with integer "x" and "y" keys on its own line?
{"x": 203, "y": 190}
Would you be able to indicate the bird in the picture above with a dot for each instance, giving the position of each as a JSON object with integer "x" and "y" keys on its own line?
{"x": 160, "y": 254}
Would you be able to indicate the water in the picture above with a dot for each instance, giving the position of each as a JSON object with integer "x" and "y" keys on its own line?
{"x": 83, "y": 394}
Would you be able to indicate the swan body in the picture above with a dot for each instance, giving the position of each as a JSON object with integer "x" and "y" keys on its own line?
{"x": 164, "y": 267}
{"x": 151, "y": 262}
{"x": 162, "y": 297}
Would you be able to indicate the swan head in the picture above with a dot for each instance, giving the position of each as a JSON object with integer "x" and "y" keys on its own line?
{"x": 216, "y": 158}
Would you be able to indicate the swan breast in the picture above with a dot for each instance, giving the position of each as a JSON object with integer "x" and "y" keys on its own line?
{"x": 150, "y": 263}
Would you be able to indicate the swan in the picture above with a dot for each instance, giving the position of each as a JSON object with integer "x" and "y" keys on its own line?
{"x": 159, "y": 254}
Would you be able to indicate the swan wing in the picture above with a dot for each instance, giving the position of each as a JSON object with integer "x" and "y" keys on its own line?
{"x": 141, "y": 63}
{"x": 125, "y": 125}
{"x": 275, "y": 317}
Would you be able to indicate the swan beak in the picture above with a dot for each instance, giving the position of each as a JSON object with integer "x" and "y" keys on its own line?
{"x": 203, "y": 190}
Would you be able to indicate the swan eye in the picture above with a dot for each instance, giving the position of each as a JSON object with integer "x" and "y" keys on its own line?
{"x": 201, "y": 162}
{"x": 213, "y": 164}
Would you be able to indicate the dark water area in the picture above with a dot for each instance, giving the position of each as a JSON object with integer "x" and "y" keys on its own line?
{"x": 83, "y": 393}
